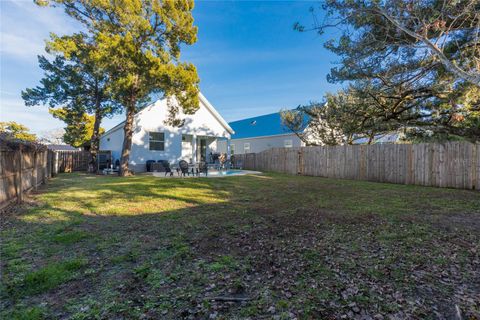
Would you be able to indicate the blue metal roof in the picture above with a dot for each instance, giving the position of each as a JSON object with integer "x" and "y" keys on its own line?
{"x": 266, "y": 125}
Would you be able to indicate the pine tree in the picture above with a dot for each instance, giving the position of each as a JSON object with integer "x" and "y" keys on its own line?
{"x": 76, "y": 84}
{"x": 139, "y": 44}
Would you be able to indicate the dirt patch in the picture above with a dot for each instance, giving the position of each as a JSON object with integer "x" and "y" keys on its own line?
{"x": 470, "y": 221}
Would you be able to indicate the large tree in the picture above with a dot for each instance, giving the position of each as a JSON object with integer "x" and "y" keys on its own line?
{"x": 76, "y": 85}
{"x": 139, "y": 46}
{"x": 416, "y": 63}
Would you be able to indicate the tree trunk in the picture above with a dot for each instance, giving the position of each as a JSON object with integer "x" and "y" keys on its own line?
{"x": 349, "y": 139}
{"x": 95, "y": 141}
{"x": 371, "y": 138}
{"x": 127, "y": 140}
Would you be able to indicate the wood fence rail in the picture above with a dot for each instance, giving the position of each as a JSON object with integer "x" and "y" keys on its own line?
{"x": 22, "y": 171}
{"x": 448, "y": 165}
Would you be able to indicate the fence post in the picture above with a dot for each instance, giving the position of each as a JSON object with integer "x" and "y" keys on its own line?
{"x": 35, "y": 171}
{"x": 19, "y": 176}
{"x": 45, "y": 167}
{"x": 300, "y": 162}
{"x": 475, "y": 152}
{"x": 48, "y": 165}
{"x": 55, "y": 163}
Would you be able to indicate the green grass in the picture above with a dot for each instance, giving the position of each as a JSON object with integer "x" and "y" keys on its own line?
{"x": 35, "y": 313}
{"x": 69, "y": 237}
{"x": 222, "y": 263}
{"x": 143, "y": 247}
{"x": 51, "y": 276}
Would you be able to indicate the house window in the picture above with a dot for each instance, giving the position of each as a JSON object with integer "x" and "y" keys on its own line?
{"x": 287, "y": 143}
{"x": 246, "y": 147}
{"x": 157, "y": 141}
{"x": 232, "y": 149}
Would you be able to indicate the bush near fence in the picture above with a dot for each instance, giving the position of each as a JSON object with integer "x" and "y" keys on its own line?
{"x": 451, "y": 164}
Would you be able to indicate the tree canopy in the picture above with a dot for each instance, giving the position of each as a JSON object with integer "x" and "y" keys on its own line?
{"x": 411, "y": 64}
{"x": 17, "y": 131}
{"x": 79, "y": 126}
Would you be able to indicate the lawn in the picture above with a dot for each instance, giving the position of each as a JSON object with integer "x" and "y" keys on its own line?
{"x": 271, "y": 246}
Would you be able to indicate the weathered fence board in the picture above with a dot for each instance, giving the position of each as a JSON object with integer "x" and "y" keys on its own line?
{"x": 21, "y": 171}
{"x": 451, "y": 164}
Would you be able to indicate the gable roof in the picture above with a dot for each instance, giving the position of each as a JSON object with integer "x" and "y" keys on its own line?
{"x": 261, "y": 126}
{"x": 202, "y": 99}
{"x": 215, "y": 113}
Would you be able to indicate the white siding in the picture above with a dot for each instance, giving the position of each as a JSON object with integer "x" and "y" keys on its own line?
{"x": 202, "y": 123}
{"x": 260, "y": 144}
{"x": 113, "y": 142}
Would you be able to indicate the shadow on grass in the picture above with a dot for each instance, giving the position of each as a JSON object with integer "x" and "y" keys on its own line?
{"x": 105, "y": 247}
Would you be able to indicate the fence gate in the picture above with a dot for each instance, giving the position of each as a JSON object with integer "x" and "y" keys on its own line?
{"x": 69, "y": 161}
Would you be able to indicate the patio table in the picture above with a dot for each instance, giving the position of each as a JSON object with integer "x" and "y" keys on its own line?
{"x": 157, "y": 167}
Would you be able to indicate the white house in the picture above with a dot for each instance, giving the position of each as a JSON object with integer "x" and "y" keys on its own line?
{"x": 154, "y": 140}
{"x": 260, "y": 133}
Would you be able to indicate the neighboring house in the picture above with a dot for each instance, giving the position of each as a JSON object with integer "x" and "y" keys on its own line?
{"x": 154, "y": 140}
{"x": 260, "y": 133}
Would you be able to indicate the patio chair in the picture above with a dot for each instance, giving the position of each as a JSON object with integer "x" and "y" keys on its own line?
{"x": 235, "y": 164}
{"x": 203, "y": 168}
{"x": 166, "y": 167}
{"x": 149, "y": 165}
{"x": 116, "y": 168}
{"x": 183, "y": 167}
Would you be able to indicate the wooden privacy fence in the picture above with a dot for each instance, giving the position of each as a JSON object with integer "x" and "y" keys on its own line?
{"x": 69, "y": 161}
{"x": 24, "y": 170}
{"x": 451, "y": 164}
{"x": 21, "y": 171}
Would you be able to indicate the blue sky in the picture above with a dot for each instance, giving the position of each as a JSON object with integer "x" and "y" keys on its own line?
{"x": 249, "y": 58}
